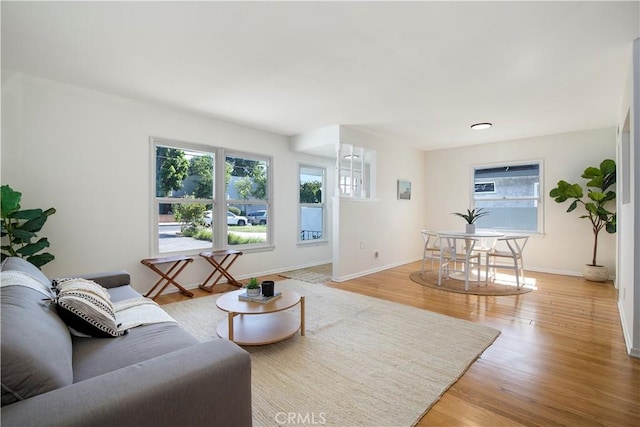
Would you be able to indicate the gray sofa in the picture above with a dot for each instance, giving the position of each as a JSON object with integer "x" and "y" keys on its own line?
{"x": 155, "y": 375}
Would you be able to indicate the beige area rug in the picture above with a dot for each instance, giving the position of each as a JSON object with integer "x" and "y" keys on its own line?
{"x": 306, "y": 275}
{"x": 504, "y": 284}
{"x": 362, "y": 362}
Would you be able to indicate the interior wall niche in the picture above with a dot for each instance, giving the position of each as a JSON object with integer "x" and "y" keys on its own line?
{"x": 356, "y": 172}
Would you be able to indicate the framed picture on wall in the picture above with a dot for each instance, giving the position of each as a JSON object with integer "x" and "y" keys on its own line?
{"x": 404, "y": 189}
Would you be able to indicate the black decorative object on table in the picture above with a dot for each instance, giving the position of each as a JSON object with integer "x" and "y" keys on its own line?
{"x": 268, "y": 288}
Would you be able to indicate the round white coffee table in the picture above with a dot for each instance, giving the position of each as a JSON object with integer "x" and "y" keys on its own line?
{"x": 254, "y": 323}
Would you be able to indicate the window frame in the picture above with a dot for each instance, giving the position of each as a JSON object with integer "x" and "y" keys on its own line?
{"x": 219, "y": 238}
{"x": 356, "y": 172}
{"x": 538, "y": 199}
{"x": 322, "y": 204}
{"x": 251, "y": 247}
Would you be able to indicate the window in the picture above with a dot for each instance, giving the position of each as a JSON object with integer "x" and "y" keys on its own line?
{"x": 311, "y": 220}
{"x": 356, "y": 172}
{"x": 190, "y": 181}
{"x": 183, "y": 195}
{"x": 511, "y": 194}
{"x": 246, "y": 193}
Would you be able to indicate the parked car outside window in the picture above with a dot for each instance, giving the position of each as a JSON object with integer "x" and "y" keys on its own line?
{"x": 258, "y": 217}
{"x": 232, "y": 219}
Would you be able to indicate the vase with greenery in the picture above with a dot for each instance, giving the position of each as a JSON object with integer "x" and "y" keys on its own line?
{"x": 253, "y": 287}
{"x": 471, "y": 216}
{"x": 20, "y": 228}
{"x": 599, "y": 196}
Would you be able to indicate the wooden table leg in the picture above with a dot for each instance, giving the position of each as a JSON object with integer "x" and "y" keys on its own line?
{"x": 231, "y": 317}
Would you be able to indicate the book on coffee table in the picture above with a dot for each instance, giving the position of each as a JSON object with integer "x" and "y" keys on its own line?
{"x": 258, "y": 298}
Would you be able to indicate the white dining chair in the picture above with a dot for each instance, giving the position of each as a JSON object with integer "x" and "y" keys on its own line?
{"x": 456, "y": 249}
{"x": 508, "y": 255}
{"x": 431, "y": 250}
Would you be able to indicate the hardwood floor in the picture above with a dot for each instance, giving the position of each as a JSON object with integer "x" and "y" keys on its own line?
{"x": 560, "y": 359}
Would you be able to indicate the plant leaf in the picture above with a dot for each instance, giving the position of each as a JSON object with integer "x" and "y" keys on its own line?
{"x": 10, "y": 202}
{"x": 574, "y": 191}
{"x": 35, "y": 224}
{"x": 592, "y": 172}
{"x": 596, "y": 196}
{"x": 32, "y": 248}
{"x": 22, "y": 235}
{"x": 26, "y": 214}
{"x": 41, "y": 259}
{"x": 591, "y": 207}
{"x": 608, "y": 167}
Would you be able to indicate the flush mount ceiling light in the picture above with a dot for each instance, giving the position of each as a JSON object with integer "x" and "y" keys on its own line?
{"x": 480, "y": 126}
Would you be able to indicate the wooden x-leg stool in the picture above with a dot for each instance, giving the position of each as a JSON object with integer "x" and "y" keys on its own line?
{"x": 220, "y": 268}
{"x": 178, "y": 263}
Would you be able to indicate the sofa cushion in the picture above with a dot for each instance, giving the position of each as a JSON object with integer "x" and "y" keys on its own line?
{"x": 93, "y": 357}
{"x": 122, "y": 293}
{"x": 36, "y": 353}
{"x": 86, "y": 308}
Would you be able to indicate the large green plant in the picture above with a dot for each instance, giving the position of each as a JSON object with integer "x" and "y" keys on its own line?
{"x": 598, "y": 195}
{"x": 19, "y": 228}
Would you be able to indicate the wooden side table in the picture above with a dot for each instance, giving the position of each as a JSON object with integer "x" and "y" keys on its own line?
{"x": 220, "y": 268}
{"x": 178, "y": 263}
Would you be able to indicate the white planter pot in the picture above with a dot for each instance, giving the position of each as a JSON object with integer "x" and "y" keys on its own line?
{"x": 253, "y": 292}
{"x": 470, "y": 228}
{"x": 595, "y": 273}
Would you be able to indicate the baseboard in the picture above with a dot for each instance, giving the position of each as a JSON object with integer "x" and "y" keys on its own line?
{"x": 552, "y": 271}
{"x": 627, "y": 334}
{"x": 373, "y": 270}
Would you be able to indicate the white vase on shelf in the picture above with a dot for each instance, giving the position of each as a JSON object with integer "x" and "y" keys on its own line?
{"x": 470, "y": 228}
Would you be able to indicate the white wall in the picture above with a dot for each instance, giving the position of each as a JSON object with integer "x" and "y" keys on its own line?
{"x": 567, "y": 242}
{"x": 385, "y": 225}
{"x": 629, "y": 213}
{"x": 87, "y": 154}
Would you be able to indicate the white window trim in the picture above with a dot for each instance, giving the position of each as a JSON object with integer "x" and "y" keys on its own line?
{"x": 253, "y": 247}
{"x": 539, "y": 199}
{"x": 322, "y": 204}
{"x": 219, "y": 237}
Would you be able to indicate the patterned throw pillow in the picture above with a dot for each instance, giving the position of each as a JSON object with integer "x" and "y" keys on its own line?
{"x": 86, "y": 308}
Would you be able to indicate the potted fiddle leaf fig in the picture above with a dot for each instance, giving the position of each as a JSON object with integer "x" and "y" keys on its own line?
{"x": 599, "y": 194}
{"x": 19, "y": 228}
{"x": 471, "y": 216}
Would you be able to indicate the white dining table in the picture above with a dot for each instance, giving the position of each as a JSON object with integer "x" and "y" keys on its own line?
{"x": 481, "y": 242}
{"x": 477, "y": 234}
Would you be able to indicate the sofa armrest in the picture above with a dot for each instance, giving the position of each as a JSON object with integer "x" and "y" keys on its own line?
{"x": 109, "y": 279}
{"x": 208, "y": 384}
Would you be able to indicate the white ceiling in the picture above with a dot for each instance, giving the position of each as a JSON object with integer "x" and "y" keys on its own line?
{"x": 419, "y": 73}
